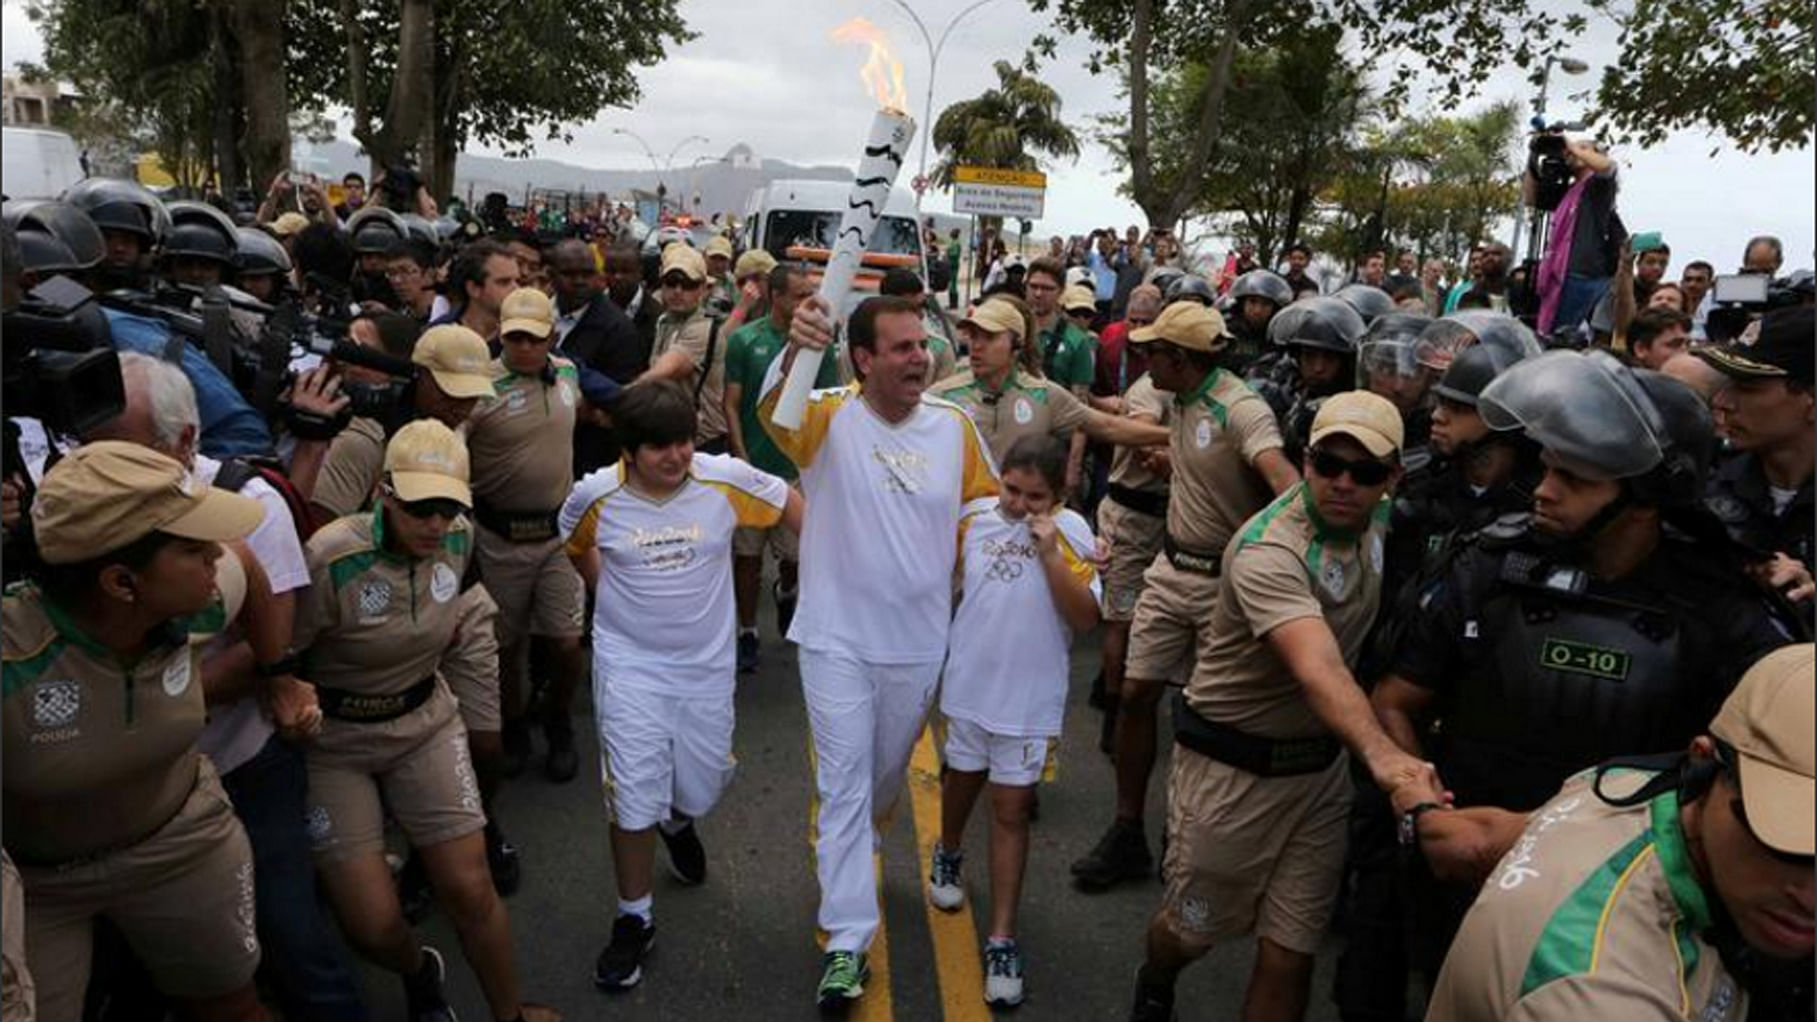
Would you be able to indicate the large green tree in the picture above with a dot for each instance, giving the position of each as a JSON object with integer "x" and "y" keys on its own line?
{"x": 427, "y": 77}
{"x": 1012, "y": 125}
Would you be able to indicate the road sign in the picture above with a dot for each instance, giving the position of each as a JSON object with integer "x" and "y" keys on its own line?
{"x": 991, "y": 191}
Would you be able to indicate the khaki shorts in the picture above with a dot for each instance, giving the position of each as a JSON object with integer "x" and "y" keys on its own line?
{"x": 415, "y": 766}
{"x": 1172, "y": 620}
{"x": 1135, "y": 540}
{"x": 182, "y": 897}
{"x": 537, "y": 588}
{"x": 1247, "y": 853}
{"x": 470, "y": 666}
{"x": 749, "y": 542}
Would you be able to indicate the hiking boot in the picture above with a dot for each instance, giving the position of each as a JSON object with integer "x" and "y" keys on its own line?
{"x": 842, "y": 978}
{"x": 687, "y": 856}
{"x": 945, "y": 888}
{"x": 621, "y": 965}
{"x": 1002, "y": 973}
{"x": 1121, "y": 854}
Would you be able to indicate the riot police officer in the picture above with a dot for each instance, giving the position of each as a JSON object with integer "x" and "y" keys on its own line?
{"x": 374, "y": 230}
{"x": 199, "y": 247}
{"x": 1320, "y": 334}
{"x": 1387, "y": 363}
{"x": 131, "y": 219}
{"x": 261, "y": 266}
{"x": 1549, "y": 645}
{"x": 1370, "y": 302}
{"x": 1254, "y": 299}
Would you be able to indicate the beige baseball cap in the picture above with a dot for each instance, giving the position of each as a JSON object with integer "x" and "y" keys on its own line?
{"x": 109, "y": 493}
{"x": 426, "y": 460}
{"x": 527, "y": 311}
{"x": 1369, "y": 419}
{"x": 288, "y": 224}
{"x": 457, "y": 358}
{"x": 1187, "y": 324}
{"x": 993, "y": 316}
{"x": 1079, "y": 298}
{"x": 1771, "y": 722}
{"x": 754, "y": 261}
{"x": 683, "y": 258}
{"x": 719, "y": 245}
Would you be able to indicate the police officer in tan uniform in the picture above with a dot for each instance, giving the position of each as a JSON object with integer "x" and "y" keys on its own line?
{"x": 1259, "y": 793}
{"x": 1226, "y": 460}
{"x": 1010, "y": 401}
{"x": 110, "y": 809}
{"x": 383, "y": 609}
{"x": 688, "y": 346}
{"x": 522, "y": 443}
{"x": 1132, "y": 520}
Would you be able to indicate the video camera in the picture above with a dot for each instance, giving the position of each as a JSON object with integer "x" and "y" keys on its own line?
{"x": 1738, "y": 299}
{"x": 397, "y": 189}
{"x": 59, "y": 365}
{"x": 1547, "y": 162}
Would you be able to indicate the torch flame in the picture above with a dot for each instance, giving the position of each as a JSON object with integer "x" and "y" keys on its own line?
{"x": 882, "y": 73}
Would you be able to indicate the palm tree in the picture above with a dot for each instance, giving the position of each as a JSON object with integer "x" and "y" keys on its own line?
{"x": 1004, "y": 127}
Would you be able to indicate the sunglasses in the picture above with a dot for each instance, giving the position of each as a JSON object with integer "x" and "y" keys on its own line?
{"x": 1364, "y": 472}
{"x": 434, "y": 507}
{"x": 681, "y": 283}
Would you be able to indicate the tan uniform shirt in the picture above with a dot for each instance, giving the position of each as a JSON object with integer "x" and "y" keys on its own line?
{"x": 98, "y": 753}
{"x": 1126, "y": 469}
{"x": 1285, "y": 565}
{"x": 352, "y": 469}
{"x": 1218, "y": 431}
{"x": 1595, "y": 913}
{"x": 1026, "y": 406}
{"x": 522, "y": 441}
{"x": 692, "y": 333}
{"x": 376, "y": 622}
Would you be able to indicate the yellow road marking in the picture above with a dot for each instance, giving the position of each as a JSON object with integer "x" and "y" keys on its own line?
{"x": 955, "y": 935}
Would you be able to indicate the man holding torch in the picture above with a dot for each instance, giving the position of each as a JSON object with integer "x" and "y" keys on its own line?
{"x": 886, "y": 470}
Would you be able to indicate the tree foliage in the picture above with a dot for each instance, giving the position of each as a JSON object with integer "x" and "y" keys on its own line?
{"x": 1744, "y": 68}
{"x": 1011, "y": 126}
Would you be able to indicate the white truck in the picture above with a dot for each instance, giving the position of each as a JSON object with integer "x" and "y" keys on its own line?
{"x": 38, "y": 163}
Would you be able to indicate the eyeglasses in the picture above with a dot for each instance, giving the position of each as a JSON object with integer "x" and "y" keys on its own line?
{"x": 1364, "y": 472}
{"x": 402, "y": 273}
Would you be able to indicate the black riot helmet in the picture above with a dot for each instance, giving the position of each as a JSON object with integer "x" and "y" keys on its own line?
{"x": 116, "y": 204}
{"x": 1263, "y": 284}
{"x": 200, "y": 231}
{"x": 374, "y": 229}
{"x": 1372, "y": 303}
{"x": 41, "y": 253}
{"x": 420, "y": 228}
{"x": 259, "y": 253}
{"x": 1323, "y": 322}
{"x": 1443, "y": 339}
{"x": 1471, "y": 370}
{"x": 1191, "y": 287}
{"x": 68, "y": 226}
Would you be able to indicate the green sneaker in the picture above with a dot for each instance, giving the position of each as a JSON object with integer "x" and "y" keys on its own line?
{"x": 842, "y": 978}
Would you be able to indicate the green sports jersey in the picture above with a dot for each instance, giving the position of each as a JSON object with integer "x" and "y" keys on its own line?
{"x": 749, "y": 352}
{"x": 1068, "y": 354}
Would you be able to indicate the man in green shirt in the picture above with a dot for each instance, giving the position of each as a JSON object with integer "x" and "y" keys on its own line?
{"x": 1068, "y": 354}
{"x": 749, "y": 352}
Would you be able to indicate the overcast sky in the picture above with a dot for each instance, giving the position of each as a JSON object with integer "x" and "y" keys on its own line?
{"x": 764, "y": 72}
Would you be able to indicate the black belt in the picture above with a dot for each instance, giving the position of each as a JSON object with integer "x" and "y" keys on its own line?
{"x": 518, "y": 526}
{"x": 1266, "y": 757}
{"x": 1187, "y": 559}
{"x": 365, "y": 708}
{"x": 1145, "y": 501}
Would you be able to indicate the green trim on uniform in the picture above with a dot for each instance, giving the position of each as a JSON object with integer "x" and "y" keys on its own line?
{"x": 66, "y": 626}
{"x": 1257, "y": 528}
{"x": 1202, "y": 395}
{"x": 1675, "y": 862}
{"x": 210, "y": 620}
{"x": 350, "y": 566}
{"x": 18, "y": 672}
{"x": 457, "y": 541}
{"x": 1568, "y": 943}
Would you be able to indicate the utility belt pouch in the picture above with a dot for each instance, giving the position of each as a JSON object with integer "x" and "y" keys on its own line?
{"x": 1265, "y": 757}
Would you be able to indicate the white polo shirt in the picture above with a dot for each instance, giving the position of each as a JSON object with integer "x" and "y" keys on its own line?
{"x": 1010, "y": 659}
{"x": 664, "y": 618}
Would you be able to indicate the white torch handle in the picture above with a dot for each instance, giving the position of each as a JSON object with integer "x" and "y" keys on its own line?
{"x": 891, "y": 132}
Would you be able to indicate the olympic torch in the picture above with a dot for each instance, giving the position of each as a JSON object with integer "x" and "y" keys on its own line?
{"x": 884, "y": 150}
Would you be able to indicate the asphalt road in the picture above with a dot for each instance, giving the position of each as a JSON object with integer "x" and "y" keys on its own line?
{"x": 742, "y": 946}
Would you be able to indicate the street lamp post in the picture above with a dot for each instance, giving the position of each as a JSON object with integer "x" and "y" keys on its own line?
{"x": 927, "y": 109}
{"x": 662, "y": 167}
{"x": 1570, "y": 66}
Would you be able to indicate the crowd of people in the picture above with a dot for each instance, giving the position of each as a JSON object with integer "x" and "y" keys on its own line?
{"x": 1482, "y": 613}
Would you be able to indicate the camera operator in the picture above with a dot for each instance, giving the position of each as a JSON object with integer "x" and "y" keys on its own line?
{"x": 1575, "y": 180}
{"x": 400, "y": 189}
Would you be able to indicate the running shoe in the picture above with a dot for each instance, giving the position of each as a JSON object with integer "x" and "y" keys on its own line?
{"x": 620, "y": 965}
{"x": 945, "y": 887}
{"x": 785, "y": 608}
{"x": 423, "y": 997}
{"x": 687, "y": 856}
{"x": 1002, "y": 974}
{"x": 842, "y": 978}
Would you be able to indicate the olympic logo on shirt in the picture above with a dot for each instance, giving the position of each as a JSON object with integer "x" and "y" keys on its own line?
{"x": 1003, "y": 570}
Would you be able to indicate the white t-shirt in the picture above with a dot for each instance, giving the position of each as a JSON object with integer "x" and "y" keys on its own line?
{"x": 1010, "y": 660}
{"x": 237, "y": 731}
{"x": 664, "y": 617}
{"x": 883, "y": 507}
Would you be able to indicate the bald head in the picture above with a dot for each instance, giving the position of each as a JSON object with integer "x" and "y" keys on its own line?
{"x": 1144, "y": 302}
{"x": 1703, "y": 378}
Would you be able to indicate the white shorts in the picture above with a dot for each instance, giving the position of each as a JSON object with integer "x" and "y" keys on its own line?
{"x": 1012, "y": 760}
{"x": 661, "y": 755}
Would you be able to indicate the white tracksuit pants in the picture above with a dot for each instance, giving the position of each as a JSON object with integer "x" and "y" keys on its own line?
{"x": 866, "y": 718}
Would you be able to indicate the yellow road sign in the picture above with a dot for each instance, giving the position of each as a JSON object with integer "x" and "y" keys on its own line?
{"x": 999, "y": 176}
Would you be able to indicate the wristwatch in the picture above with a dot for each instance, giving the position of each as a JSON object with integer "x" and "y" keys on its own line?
{"x": 1409, "y": 830}
{"x": 289, "y": 663}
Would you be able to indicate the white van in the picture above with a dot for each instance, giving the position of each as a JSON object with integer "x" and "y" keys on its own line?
{"x": 37, "y": 163}
{"x": 805, "y": 214}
